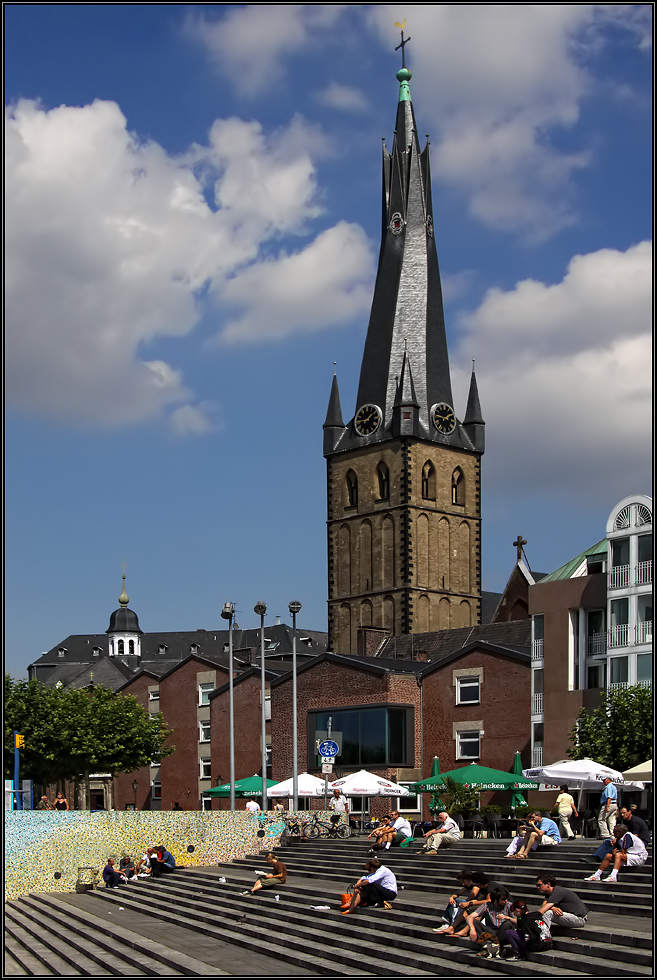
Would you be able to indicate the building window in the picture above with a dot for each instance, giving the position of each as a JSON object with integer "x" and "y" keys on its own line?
{"x": 61, "y": 652}
{"x": 352, "y": 489}
{"x": 162, "y": 649}
{"x": 131, "y": 647}
{"x": 623, "y": 518}
{"x": 384, "y": 481}
{"x": 206, "y": 803}
{"x": 370, "y": 736}
{"x": 596, "y": 636}
{"x": 154, "y": 695}
{"x": 428, "y": 482}
{"x": 643, "y": 515}
{"x": 468, "y": 690}
{"x": 204, "y": 731}
{"x": 120, "y": 647}
{"x": 96, "y": 651}
{"x": 205, "y": 766}
{"x": 408, "y": 803}
{"x": 538, "y": 633}
{"x": 458, "y": 487}
{"x": 204, "y": 692}
{"x": 596, "y": 676}
{"x": 644, "y": 668}
{"x": 468, "y": 745}
{"x": 619, "y": 625}
{"x": 618, "y": 670}
{"x": 156, "y": 791}
{"x": 194, "y": 648}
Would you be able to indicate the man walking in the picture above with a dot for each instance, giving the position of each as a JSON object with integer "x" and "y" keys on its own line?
{"x": 608, "y": 809}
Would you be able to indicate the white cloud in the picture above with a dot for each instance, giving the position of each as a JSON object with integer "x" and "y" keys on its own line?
{"x": 249, "y": 43}
{"x": 329, "y": 282}
{"x": 496, "y": 80}
{"x": 564, "y": 374}
{"x": 111, "y": 244}
{"x": 343, "y": 97}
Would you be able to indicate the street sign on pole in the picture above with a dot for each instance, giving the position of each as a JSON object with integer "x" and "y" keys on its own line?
{"x": 329, "y": 748}
{"x": 327, "y": 760}
{"x": 327, "y": 768}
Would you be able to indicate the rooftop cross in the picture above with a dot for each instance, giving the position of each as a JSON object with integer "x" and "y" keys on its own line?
{"x": 518, "y": 543}
{"x": 403, "y": 42}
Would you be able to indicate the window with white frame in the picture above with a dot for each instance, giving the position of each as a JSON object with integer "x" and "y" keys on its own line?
{"x": 204, "y": 731}
{"x": 154, "y": 694}
{"x": 206, "y": 803}
{"x": 205, "y": 766}
{"x": 468, "y": 745}
{"x": 156, "y": 791}
{"x": 410, "y": 803}
{"x": 204, "y": 692}
{"x": 468, "y": 690}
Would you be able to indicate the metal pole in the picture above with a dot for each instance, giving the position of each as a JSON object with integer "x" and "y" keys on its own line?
{"x": 328, "y": 735}
{"x": 227, "y": 613}
{"x": 294, "y": 607}
{"x": 260, "y": 608}
{"x": 17, "y": 793}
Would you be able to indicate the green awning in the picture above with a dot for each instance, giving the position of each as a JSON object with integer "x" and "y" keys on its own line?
{"x": 251, "y": 786}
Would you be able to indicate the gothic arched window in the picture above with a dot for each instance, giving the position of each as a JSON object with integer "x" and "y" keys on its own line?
{"x": 458, "y": 486}
{"x": 384, "y": 481}
{"x": 352, "y": 489}
{"x": 428, "y": 481}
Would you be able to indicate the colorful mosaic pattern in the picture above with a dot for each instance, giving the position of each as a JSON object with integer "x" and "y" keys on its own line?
{"x": 39, "y": 845}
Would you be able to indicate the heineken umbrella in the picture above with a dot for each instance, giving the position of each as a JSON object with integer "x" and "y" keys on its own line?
{"x": 482, "y": 778}
{"x": 581, "y": 774}
{"x": 251, "y": 786}
{"x": 307, "y": 785}
{"x": 432, "y": 784}
{"x": 364, "y": 783}
{"x": 517, "y": 799}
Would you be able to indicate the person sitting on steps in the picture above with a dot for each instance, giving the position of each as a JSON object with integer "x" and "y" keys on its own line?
{"x": 384, "y": 835}
{"x": 447, "y": 833}
{"x": 277, "y": 876}
{"x": 476, "y": 889}
{"x": 377, "y": 887}
{"x": 627, "y": 849}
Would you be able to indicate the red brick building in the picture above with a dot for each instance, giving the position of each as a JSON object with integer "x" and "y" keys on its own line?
{"x": 472, "y": 704}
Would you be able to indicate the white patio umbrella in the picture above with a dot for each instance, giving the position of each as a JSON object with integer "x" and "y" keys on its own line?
{"x": 307, "y": 786}
{"x": 643, "y": 771}
{"x": 580, "y": 774}
{"x": 364, "y": 783}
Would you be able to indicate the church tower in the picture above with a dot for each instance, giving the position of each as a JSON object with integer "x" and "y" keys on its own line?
{"x": 403, "y": 475}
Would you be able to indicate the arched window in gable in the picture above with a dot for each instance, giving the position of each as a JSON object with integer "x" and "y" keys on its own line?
{"x": 428, "y": 481}
{"x": 384, "y": 481}
{"x": 352, "y": 489}
{"x": 458, "y": 486}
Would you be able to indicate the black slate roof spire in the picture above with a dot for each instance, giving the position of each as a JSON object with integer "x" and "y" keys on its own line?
{"x": 333, "y": 426}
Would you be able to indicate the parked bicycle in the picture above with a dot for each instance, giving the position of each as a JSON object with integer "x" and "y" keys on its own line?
{"x": 322, "y": 828}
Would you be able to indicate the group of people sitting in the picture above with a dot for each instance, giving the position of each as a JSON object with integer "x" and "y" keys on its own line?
{"x": 483, "y": 912}
{"x": 396, "y": 830}
{"x": 155, "y": 862}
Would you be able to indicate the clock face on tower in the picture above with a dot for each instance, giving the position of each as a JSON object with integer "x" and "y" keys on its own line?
{"x": 368, "y": 420}
{"x": 442, "y": 416}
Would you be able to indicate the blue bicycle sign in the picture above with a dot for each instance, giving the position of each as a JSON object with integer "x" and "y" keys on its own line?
{"x": 328, "y": 748}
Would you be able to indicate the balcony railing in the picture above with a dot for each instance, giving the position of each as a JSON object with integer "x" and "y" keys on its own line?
{"x": 537, "y": 756}
{"x": 537, "y": 704}
{"x": 537, "y": 649}
{"x": 618, "y": 636}
{"x": 618, "y": 685}
{"x": 596, "y": 643}
{"x": 619, "y": 577}
{"x": 644, "y": 631}
{"x": 647, "y": 684}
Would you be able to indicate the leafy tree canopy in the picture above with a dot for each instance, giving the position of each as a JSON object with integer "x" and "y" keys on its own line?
{"x": 72, "y": 732}
{"x": 619, "y": 732}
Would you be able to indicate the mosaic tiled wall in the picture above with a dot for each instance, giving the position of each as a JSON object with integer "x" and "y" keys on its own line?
{"x": 40, "y": 845}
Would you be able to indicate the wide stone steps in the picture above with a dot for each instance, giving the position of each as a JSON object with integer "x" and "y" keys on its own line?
{"x": 401, "y": 937}
{"x": 46, "y": 936}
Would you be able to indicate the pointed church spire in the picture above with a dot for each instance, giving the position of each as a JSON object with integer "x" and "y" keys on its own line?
{"x": 473, "y": 423}
{"x": 123, "y": 598}
{"x": 333, "y": 426}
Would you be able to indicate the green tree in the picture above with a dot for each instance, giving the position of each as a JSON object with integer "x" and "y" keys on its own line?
{"x": 72, "y": 732}
{"x": 619, "y": 732}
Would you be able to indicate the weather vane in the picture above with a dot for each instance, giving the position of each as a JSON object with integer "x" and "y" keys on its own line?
{"x": 403, "y": 42}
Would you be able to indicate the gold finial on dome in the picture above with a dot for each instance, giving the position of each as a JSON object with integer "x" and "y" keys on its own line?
{"x": 123, "y": 598}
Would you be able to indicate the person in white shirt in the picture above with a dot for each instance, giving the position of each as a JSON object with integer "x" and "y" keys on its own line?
{"x": 252, "y": 806}
{"x": 448, "y": 833}
{"x": 338, "y": 803}
{"x": 378, "y": 886}
{"x": 628, "y": 850}
{"x": 401, "y": 826}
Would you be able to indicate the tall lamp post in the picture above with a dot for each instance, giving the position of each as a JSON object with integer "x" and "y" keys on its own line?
{"x": 227, "y": 612}
{"x": 294, "y": 607}
{"x": 260, "y": 609}
{"x": 135, "y": 784}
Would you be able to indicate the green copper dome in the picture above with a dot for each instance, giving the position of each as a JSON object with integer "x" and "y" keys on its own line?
{"x": 403, "y": 77}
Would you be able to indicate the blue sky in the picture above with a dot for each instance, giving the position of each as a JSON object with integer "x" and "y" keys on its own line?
{"x": 193, "y": 219}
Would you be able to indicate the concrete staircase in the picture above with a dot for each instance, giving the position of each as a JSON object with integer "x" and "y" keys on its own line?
{"x": 46, "y": 935}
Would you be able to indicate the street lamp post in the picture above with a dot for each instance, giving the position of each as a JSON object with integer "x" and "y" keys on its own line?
{"x": 134, "y": 788}
{"x": 294, "y": 608}
{"x": 227, "y": 612}
{"x": 260, "y": 609}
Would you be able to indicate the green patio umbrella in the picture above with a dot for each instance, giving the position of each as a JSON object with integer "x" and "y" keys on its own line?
{"x": 251, "y": 786}
{"x": 483, "y": 778}
{"x": 432, "y": 784}
{"x": 517, "y": 799}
